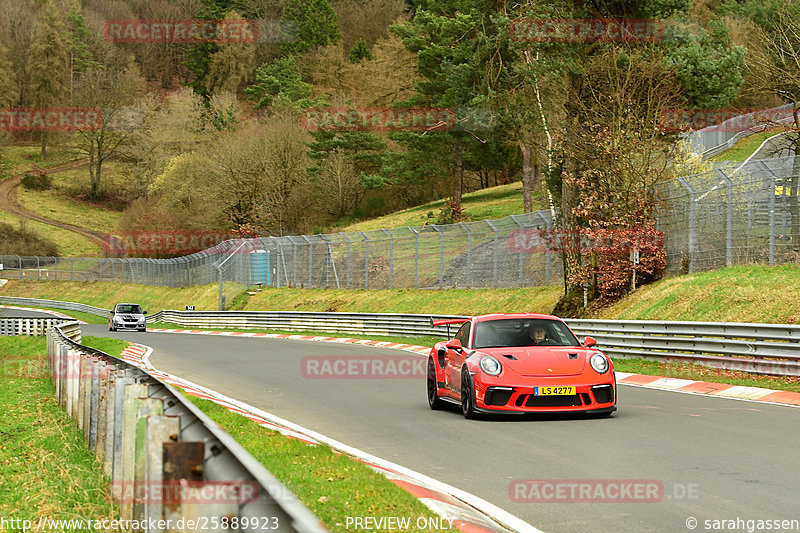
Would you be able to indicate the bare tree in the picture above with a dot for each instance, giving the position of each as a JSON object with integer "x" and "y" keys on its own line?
{"x": 112, "y": 93}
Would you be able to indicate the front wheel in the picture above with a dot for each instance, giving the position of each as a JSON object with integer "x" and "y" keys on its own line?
{"x": 434, "y": 401}
{"x": 467, "y": 395}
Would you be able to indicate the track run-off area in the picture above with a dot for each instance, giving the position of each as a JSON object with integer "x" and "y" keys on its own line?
{"x": 710, "y": 458}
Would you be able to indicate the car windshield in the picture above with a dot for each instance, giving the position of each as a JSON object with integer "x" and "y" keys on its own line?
{"x": 129, "y": 308}
{"x": 516, "y": 332}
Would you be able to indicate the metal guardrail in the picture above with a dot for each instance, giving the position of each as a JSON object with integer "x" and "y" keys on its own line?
{"x": 11, "y": 326}
{"x": 166, "y": 458}
{"x": 758, "y": 348}
{"x": 363, "y": 323}
{"x": 55, "y": 304}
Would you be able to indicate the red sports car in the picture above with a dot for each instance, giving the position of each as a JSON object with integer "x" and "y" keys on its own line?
{"x": 519, "y": 363}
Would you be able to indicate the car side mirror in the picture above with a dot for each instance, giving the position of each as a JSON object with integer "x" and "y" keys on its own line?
{"x": 112, "y": 311}
{"x": 588, "y": 342}
{"x": 144, "y": 312}
{"x": 454, "y": 344}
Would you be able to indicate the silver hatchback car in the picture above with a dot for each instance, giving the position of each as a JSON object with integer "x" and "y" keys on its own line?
{"x": 127, "y": 316}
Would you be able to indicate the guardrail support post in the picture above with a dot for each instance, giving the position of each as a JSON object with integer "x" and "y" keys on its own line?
{"x": 160, "y": 429}
{"x": 132, "y": 398}
{"x": 182, "y": 462}
{"x": 146, "y": 408}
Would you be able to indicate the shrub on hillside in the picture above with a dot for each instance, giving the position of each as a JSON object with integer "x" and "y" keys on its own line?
{"x": 22, "y": 241}
{"x": 38, "y": 181}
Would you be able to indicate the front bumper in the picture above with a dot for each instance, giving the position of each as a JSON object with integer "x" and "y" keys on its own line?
{"x": 592, "y": 397}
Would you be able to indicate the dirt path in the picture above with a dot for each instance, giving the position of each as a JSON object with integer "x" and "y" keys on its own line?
{"x": 9, "y": 204}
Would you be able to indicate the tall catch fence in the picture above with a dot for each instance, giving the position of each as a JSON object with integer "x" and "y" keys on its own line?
{"x": 714, "y": 140}
{"x": 484, "y": 254}
{"x": 742, "y": 214}
{"x": 731, "y": 215}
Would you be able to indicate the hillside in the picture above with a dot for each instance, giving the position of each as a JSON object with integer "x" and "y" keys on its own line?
{"x": 492, "y": 202}
{"x": 738, "y": 294}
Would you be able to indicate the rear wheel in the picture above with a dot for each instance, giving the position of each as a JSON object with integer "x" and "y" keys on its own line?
{"x": 467, "y": 395}
{"x": 434, "y": 401}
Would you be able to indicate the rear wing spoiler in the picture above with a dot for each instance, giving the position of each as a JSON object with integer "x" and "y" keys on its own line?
{"x": 444, "y": 321}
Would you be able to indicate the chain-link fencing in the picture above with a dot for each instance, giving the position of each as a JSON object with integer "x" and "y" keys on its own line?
{"x": 730, "y": 215}
{"x": 734, "y": 215}
{"x": 487, "y": 254}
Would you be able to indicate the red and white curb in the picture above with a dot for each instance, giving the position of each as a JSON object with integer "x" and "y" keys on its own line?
{"x": 719, "y": 390}
{"x": 466, "y": 512}
{"x": 707, "y": 388}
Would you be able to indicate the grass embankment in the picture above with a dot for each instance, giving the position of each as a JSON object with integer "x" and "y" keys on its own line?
{"x": 69, "y": 244}
{"x": 46, "y": 469}
{"x": 22, "y": 157}
{"x": 492, "y": 202}
{"x": 66, "y": 200}
{"x": 333, "y": 486}
{"x": 744, "y": 148}
{"x": 760, "y": 294}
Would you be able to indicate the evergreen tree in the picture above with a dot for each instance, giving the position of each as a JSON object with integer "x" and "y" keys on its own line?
{"x": 9, "y": 91}
{"x": 313, "y": 23}
{"x": 48, "y": 64}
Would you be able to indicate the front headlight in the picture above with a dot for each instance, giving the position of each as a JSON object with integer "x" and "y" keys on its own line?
{"x": 599, "y": 363}
{"x": 117, "y": 320}
{"x": 141, "y": 320}
{"x": 491, "y": 366}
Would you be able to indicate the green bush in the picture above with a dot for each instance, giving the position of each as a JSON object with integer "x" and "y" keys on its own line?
{"x": 37, "y": 181}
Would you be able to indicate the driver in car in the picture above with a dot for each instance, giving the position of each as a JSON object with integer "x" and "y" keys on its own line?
{"x": 537, "y": 335}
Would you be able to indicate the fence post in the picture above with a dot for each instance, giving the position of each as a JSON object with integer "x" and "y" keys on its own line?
{"x": 310, "y": 260}
{"x": 416, "y": 256}
{"x": 469, "y": 254}
{"x": 441, "y": 255}
{"x": 772, "y": 219}
{"x": 347, "y": 259}
{"x": 494, "y": 265}
{"x": 521, "y": 255}
{"x": 728, "y": 218}
{"x": 366, "y": 259}
{"x": 391, "y": 258}
{"x": 692, "y": 221}
{"x": 546, "y": 248}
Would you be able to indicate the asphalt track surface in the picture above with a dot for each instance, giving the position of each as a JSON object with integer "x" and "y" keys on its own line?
{"x": 717, "y": 459}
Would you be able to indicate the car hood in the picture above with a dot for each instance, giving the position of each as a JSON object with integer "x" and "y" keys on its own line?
{"x": 541, "y": 360}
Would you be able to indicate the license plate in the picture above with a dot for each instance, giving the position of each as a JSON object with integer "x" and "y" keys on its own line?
{"x": 554, "y": 391}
